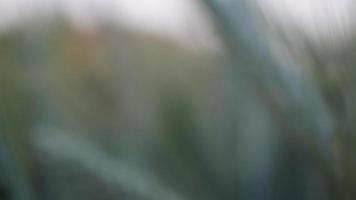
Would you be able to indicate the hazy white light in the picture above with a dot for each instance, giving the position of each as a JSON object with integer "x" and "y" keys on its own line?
{"x": 319, "y": 19}
{"x": 181, "y": 20}
{"x": 184, "y": 20}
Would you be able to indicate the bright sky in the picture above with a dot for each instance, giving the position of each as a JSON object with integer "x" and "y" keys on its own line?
{"x": 181, "y": 20}
{"x": 317, "y": 18}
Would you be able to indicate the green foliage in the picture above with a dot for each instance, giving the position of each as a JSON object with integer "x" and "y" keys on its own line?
{"x": 117, "y": 115}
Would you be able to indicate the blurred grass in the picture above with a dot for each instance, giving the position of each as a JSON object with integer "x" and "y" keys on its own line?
{"x": 112, "y": 114}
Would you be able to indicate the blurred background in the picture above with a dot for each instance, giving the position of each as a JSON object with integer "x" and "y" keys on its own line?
{"x": 177, "y": 99}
